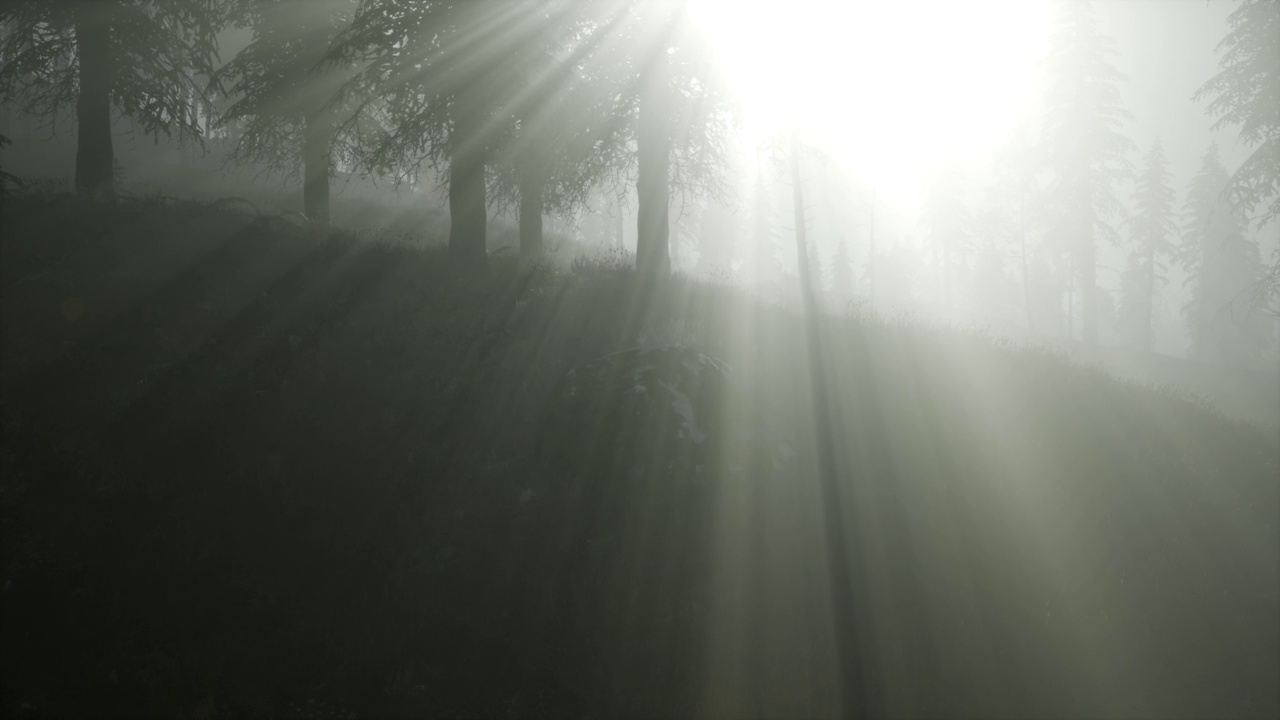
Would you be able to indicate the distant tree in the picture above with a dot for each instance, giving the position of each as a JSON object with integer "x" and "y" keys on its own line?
{"x": 948, "y": 227}
{"x": 872, "y": 252}
{"x": 149, "y": 59}
{"x": 819, "y": 269}
{"x": 1011, "y": 207}
{"x": 1151, "y": 230}
{"x": 842, "y": 269}
{"x": 993, "y": 293}
{"x": 1246, "y": 93}
{"x": 717, "y": 233}
{"x": 1086, "y": 154}
{"x": 285, "y": 103}
{"x": 1222, "y": 263}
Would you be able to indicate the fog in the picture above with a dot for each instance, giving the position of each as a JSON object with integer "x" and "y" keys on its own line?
{"x": 652, "y": 358}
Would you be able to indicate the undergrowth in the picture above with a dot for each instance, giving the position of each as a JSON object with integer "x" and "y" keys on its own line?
{"x": 250, "y": 473}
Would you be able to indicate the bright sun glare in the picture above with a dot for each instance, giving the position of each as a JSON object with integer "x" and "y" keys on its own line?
{"x": 892, "y": 89}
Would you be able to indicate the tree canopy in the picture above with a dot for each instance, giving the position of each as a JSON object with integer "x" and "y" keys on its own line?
{"x": 1085, "y": 151}
{"x": 1246, "y": 93}
{"x": 149, "y": 60}
{"x": 1151, "y": 231}
{"x": 284, "y": 98}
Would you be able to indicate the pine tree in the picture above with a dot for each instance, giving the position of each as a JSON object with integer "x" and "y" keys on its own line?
{"x": 1011, "y": 200}
{"x": 842, "y": 269}
{"x": 818, "y": 269}
{"x": 1086, "y": 153}
{"x": 146, "y": 59}
{"x": 1222, "y": 263}
{"x": 285, "y": 98}
{"x": 454, "y": 86}
{"x": 1246, "y": 93}
{"x": 1151, "y": 231}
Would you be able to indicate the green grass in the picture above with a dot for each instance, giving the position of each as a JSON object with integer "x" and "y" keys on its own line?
{"x": 244, "y": 471}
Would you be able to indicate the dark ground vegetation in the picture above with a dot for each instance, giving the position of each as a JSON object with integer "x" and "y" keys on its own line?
{"x": 247, "y": 473}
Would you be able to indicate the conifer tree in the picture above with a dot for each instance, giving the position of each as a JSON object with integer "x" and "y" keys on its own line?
{"x": 285, "y": 103}
{"x": 1246, "y": 93}
{"x": 1086, "y": 154}
{"x": 145, "y": 59}
{"x": 440, "y": 72}
{"x": 841, "y": 269}
{"x": 1222, "y": 263}
{"x": 1151, "y": 231}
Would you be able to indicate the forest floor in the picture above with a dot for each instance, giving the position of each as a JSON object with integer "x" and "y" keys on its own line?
{"x": 247, "y": 473}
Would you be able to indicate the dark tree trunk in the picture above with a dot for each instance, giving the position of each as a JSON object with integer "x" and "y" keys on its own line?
{"x": 531, "y": 187}
{"x": 317, "y": 147}
{"x": 95, "y": 160}
{"x": 653, "y": 250}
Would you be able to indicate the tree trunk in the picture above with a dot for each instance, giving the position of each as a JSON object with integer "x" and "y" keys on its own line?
{"x": 618, "y": 230}
{"x": 95, "y": 160}
{"x": 1089, "y": 289}
{"x": 653, "y": 251}
{"x": 1148, "y": 305}
{"x": 316, "y": 154}
{"x": 468, "y": 211}
{"x": 531, "y": 188}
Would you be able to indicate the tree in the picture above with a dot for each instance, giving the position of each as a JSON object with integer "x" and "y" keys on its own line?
{"x": 659, "y": 67}
{"x": 1222, "y": 263}
{"x": 1150, "y": 230}
{"x": 653, "y": 152}
{"x": 1246, "y": 93}
{"x": 565, "y": 140}
{"x": 1086, "y": 153}
{"x": 717, "y": 233}
{"x": 145, "y": 58}
{"x": 762, "y": 249}
{"x": 871, "y": 244}
{"x": 285, "y": 98}
{"x": 841, "y": 269}
{"x": 1011, "y": 205}
{"x": 947, "y": 226}
{"x": 427, "y": 65}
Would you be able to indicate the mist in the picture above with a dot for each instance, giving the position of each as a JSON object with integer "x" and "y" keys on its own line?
{"x": 652, "y": 358}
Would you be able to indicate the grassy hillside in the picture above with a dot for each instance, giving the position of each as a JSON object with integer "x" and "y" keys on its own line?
{"x": 247, "y": 473}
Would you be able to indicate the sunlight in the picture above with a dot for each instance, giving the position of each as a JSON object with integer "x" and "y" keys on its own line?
{"x": 892, "y": 89}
